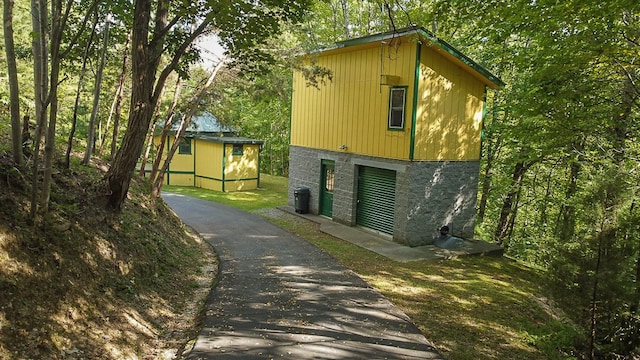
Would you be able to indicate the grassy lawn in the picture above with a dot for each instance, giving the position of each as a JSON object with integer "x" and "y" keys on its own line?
{"x": 272, "y": 193}
{"x": 470, "y": 308}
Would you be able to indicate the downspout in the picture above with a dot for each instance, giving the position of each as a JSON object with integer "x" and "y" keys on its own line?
{"x": 414, "y": 110}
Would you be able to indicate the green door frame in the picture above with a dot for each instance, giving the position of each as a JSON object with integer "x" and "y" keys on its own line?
{"x": 327, "y": 181}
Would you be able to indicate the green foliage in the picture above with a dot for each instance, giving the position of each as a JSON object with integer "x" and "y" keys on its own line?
{"x": 569, "y": 116}
{"x": 259, "y": 109}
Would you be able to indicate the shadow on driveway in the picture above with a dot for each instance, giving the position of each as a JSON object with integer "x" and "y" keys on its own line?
{"x": 282, "y": 297}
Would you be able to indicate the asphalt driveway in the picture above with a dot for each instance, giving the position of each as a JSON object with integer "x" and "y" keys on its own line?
{"x": 281, "y": 297}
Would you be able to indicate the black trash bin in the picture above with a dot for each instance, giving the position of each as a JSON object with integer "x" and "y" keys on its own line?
{"x": 301, "y": 196}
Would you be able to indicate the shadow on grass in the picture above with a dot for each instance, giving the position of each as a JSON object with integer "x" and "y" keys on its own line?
{"x": 471, "y": 308}
{"x": 88, "y": 283}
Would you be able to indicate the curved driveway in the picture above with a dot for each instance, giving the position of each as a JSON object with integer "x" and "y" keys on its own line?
{"x": 279, "y": 296}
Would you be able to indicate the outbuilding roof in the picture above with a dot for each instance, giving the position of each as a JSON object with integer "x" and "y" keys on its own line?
{"x": 205, "y": 122}
{"x": 225, "y": 139}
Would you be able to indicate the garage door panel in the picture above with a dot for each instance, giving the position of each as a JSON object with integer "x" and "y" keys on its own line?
{"x": 376, "y": 199}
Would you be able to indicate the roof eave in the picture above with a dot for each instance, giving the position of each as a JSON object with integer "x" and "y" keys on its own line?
{"x": 489, "y": 79}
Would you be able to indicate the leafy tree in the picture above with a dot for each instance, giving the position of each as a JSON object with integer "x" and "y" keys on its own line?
{"x": 241, "y": 26}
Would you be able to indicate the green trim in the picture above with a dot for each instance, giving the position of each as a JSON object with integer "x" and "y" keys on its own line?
{"x": 227, "y": 180}
{"x": 180, "y": 151}
{"x": 432, "y": 40}
{"x": 290, "y": 108}
{"x": 241, "y": 179}
{"x": 194, "y": 148}
{"x": 462, "y": 57}
{"x": 181, "y": 172}
{"x": 484, "y": 116}
{"x": 224, "y": 163}
{"x": 235, "y": 151}
{"x": 208, "y": 178}
{"x": 414, "y": 113}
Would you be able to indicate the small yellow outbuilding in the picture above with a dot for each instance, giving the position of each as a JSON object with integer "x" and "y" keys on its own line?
{"x": 211, "y": 156}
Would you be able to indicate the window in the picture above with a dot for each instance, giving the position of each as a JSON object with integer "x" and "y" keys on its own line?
{"x": 397, "y": 99}
{"x": 329, "y": 178}
{"x": 185, "y": 146}
{"x": 238, "y": 149}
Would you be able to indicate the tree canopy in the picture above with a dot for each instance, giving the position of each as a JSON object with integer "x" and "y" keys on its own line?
{"x": 560, "y": 175}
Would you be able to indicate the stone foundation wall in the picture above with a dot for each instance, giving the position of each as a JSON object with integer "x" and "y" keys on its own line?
{"x": 433, "y": 194}
{"x": 429, "y": 194}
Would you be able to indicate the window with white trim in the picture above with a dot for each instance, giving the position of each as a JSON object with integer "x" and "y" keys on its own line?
{"x": 397, "y": 102}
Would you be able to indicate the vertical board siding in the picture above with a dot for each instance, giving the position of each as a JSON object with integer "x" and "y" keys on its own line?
{"x": 243, "y": 166}
{"x": 449, "y": 120}
{"x": 181, "y": 162}
{"x": 352, "y": 109}
{"x": 209, "y": 160}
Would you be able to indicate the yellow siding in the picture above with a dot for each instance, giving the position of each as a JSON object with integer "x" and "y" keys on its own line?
{"x": 210, "y": 184}
{"x": 179, "y": 179}
{"x": 240, "y": 185}
{"x": 181, "y": 162}
{"x": 243, "y": 166}
{"x": 181, "y": 169}
{"x": 449, "y": 116}
{"x": 353, "y": 108}
{"x": 208, "y": 162}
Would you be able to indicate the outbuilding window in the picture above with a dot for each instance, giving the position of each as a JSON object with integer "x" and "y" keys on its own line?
{"x": 397, "y": 101}
{"x": 238, "y": 149}
{"x": 185, "y": 146}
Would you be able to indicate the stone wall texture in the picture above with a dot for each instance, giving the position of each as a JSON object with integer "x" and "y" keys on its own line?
{"x": 429, "y": 194}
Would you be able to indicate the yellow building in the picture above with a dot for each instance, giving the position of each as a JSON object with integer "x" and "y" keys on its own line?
{"x": 210, "y": 156}
{"x": 392, "y": 142}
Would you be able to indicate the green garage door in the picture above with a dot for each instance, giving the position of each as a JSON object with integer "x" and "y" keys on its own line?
{"x": 376, "y": 199}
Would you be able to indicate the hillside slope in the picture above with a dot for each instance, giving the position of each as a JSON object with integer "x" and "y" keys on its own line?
{"x": 92, "y": 284}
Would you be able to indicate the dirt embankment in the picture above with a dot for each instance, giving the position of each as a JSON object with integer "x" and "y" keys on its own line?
{"x": 88, "y": 283}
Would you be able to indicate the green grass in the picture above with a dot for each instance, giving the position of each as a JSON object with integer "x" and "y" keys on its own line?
{"x": 470, "y": 308}
{"x": 272, "y": 193}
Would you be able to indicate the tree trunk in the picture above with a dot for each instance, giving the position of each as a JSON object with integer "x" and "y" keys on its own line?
{"x": 83, "y": 72}
{"x": 154, "y": 121}
{"x": 57, "y": 25}
{"x": 96, "y": 95}
{"x": 144, "y": 96}
{"x": 593, "y": 311}
{"x": 156, "y": 186}
{"x": 635, "y": 303}
{"x": 345, "y": 15}
{"x": 168, "y": 123}
{"x": 508, "y": 205}
{"x": 116, "y": 106}
{"x": 567, "y": 224}
{"x": 40, "y": 71}
{"x": 144, "y": 65}
{"x": 486, "y": 179}
{"x": 12, "y": 72}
